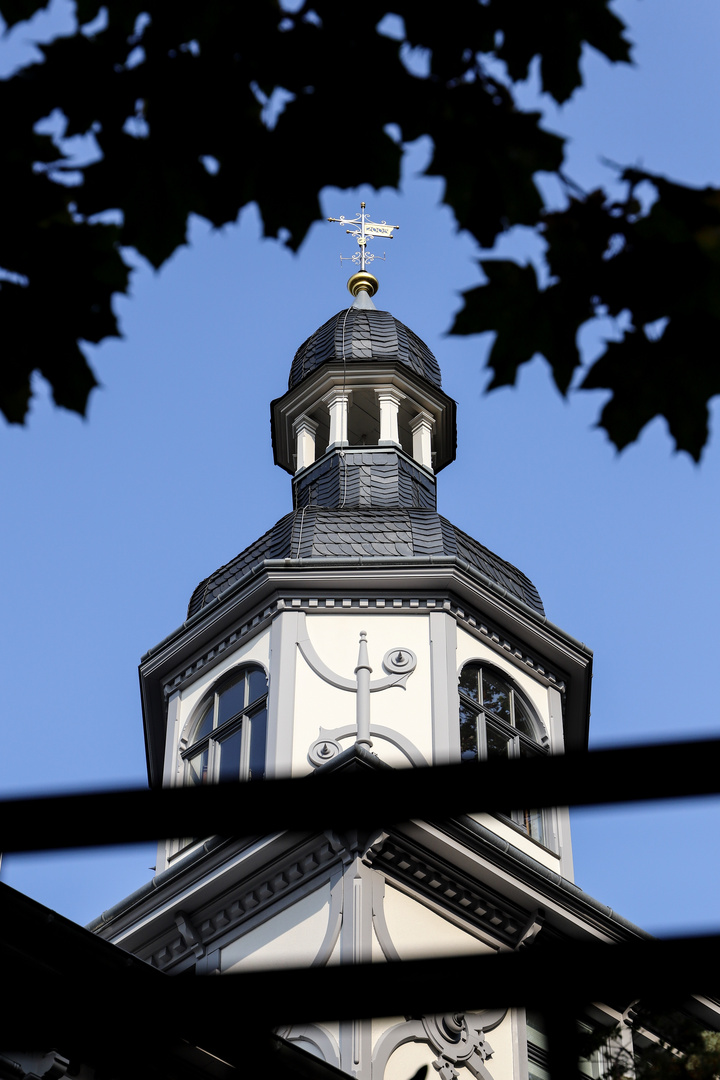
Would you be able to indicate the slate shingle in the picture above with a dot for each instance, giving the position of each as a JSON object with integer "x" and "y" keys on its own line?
{"x": 356, "y": 335}
{"x": 373, "y": 533}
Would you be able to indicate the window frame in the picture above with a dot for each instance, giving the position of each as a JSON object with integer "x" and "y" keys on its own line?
{"x": 515, "y": 738}
{"x": 240, "y": 721}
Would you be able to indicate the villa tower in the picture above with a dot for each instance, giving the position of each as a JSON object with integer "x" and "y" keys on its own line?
{"x": 364, "y": 631}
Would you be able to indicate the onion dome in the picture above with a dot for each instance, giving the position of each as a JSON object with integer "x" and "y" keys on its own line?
{"x": 361, "y": 333}
{"x": 363, "y": 379}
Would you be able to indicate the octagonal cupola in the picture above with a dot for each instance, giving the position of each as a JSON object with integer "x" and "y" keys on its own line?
{"x": 365, "y": 422}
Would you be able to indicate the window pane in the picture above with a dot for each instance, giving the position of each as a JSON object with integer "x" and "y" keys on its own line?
{"x": 232, "y": 700}
{"x": 496, "y": 696}
{"x": 257, "y": 685}
{"x": 526, "y": 750}
{"x": 522, "y": 720}
{"x": 468, "y": 733}
{"x": 205, "y": 725}
{"x": 533, "y": 823}
{"x": 498, "y": 743}
{"x": 230, "y": 756}
{"x": 469, "y": 681}
{"x": 198, "y": 767}
{"x": 258, "y": 737}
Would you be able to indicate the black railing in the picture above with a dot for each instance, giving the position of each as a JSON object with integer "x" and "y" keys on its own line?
{"x": 581, "y": 972}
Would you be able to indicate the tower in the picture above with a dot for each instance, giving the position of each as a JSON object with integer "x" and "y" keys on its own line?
{"x": 364, "y": 631}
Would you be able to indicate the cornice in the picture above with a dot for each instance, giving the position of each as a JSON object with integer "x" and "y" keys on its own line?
{"x": 425, "y": 575}
{"x": 218, "y": 905}
{"x": 411, "y": 584}
{"x": 562, "y": 900}
{"x": 422, "y": 872}
{"x": 388, "y": 604}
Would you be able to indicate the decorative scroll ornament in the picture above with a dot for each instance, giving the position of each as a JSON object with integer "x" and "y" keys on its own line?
{"x": 459, "y": 1039}
{"x": 365, "y": 230}
{"x": 399, "y": 662}
{"x": 323, "y": 750}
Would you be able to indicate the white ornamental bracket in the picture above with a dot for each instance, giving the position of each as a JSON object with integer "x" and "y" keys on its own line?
{"x": 399, "y": 662}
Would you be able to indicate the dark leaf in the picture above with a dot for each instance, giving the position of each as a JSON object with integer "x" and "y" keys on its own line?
{"x": 490, "y": 185}
{"x": 556, "y": 31}
{"x": 673, "y": 376}
{"x": 578, "y": 239}
{"x": 191, "y": 93}
{"x": 454, "y": 42}
{"x": 15, "y": 11}
{"x": 71, "y": 379}
{"x": 527, "y": 321}
{"x": 87, "y": 10}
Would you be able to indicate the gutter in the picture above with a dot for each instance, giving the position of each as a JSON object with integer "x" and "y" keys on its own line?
{"x": 336, "y": 562}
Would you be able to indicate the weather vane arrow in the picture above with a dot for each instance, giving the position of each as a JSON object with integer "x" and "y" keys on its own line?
{"x": 364, "y": 230}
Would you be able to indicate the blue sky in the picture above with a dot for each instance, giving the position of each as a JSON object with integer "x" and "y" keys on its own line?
{"x": 109, "y": 523}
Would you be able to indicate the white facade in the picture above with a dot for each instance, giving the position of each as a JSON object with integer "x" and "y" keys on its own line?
{"x": 414, "y": 722}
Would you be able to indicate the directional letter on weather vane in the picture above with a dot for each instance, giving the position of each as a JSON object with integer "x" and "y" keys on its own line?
{"x": 365, "y": 230}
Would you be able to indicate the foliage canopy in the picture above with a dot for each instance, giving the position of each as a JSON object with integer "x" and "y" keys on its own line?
{"x": 175, "y": 98}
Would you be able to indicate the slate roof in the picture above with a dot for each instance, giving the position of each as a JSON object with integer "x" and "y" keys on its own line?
{"x": 361, "y": 334}
{"x": 369, "y": 478}
{"x": 348, "y": 533}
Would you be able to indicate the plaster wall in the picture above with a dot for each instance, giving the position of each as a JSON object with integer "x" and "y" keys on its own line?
{"x": 406, "y": 711}
{"x": 406, "y": 1060}
{"x": 403, "y": 927}
{"x": 291, "y": 938}
{"x": 417, "y": 932}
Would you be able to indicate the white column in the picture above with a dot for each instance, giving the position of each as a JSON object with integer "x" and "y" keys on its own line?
{"x": 389, "y": 399}
{"x": 363, "y": 671}
{"x": 422, "y": 428}
{"x": 304, "y": 431}
{"x": 356, "y": 940}
{"x": 337, "y": 402}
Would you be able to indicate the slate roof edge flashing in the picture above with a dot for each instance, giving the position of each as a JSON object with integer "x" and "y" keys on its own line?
{"x": 347, "y": 759}
{"x": 155, "y": 883}
{"x": 370, "y": 562}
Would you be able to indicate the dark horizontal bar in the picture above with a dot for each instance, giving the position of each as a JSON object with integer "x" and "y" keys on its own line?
{"x": 138, "y": 1002}
{"x": 364, "y": 798}
{"x": 582, "y": 972}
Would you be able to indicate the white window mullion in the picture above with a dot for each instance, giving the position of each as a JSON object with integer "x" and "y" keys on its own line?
{"x": 245, "y": 748}
{"x": 213, "y": 760}
{"x": 482, "y": 737}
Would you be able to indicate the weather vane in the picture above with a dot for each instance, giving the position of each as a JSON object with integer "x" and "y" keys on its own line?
{"x": 364, "y": 230}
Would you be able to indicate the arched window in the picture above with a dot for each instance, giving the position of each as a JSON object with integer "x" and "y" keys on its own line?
{"x": 227, "y": 741}
{"x": 495, "y": 721}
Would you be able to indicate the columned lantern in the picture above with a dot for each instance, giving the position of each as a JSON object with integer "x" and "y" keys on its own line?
{"x": 364, "y": 407}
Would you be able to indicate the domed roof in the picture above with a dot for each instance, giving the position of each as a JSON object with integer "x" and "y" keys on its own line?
{"x": 368, "y": 534}
{"x": 360, "y": 334}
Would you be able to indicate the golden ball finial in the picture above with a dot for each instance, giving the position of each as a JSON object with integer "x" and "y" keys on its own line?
{"x": 363, "y": 282}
